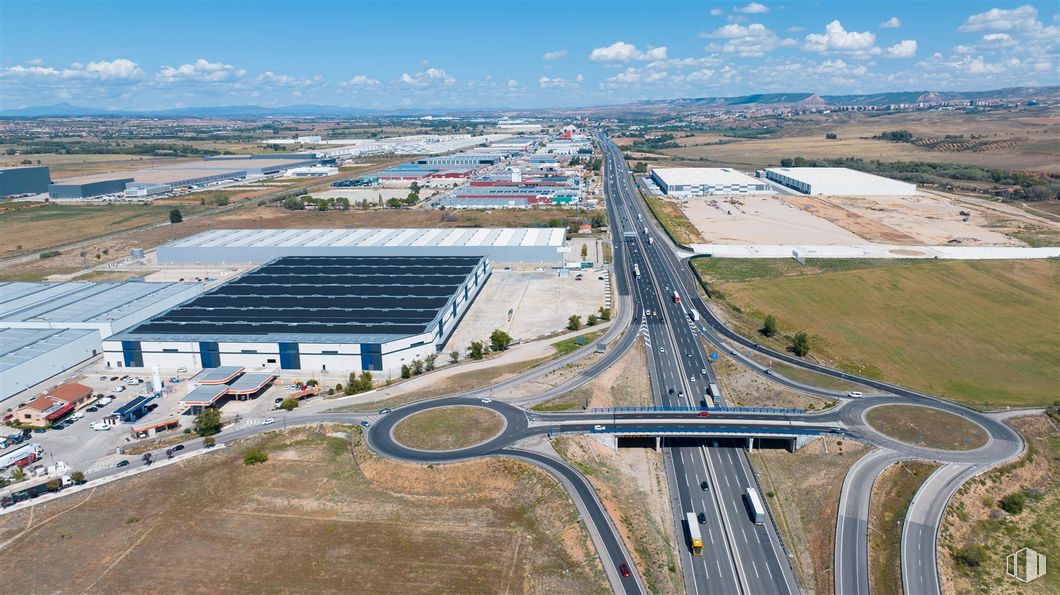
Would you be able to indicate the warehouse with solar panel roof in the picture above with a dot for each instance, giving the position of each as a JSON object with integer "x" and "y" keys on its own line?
{"x": 340, "y": 313}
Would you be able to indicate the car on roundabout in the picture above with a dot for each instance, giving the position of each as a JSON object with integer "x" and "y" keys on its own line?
{"x": 486, "y": 400}
{"x": 599, "y": 428}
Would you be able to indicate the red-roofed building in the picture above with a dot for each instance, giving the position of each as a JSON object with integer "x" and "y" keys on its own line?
{"x": 74, "y": 393}
{"x": 39, "y": 412}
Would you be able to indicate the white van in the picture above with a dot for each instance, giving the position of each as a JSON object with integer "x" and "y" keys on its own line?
{"x": 100, "y": 426}
{"x": 855, "y": 394}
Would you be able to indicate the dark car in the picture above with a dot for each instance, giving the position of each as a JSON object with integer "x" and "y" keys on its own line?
{"x": 38, "y": 430}
{"x": 177, "y": 448}
{"x": 92, "y": 409}
{"x": 624, "y": 569}
{"x": 122, "y": 463}
{"x": 704, "y": 486}
{"x": 702, "y": 518}
{"x": 113, "y": 378}
{"x": 671, "y": 390}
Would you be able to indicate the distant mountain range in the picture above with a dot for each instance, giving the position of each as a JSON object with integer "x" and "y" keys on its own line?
{"x": 652, "y": 105}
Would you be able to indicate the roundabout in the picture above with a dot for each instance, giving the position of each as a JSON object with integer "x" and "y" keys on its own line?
{"x": 926, "y": 426}
{"x": 446, "y": 429}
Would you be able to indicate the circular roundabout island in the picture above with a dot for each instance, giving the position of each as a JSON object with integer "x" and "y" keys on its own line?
{"x": 926, "y": 426}
{"x": 448, "y": 428}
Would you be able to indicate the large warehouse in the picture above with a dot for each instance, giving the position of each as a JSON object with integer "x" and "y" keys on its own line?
{"x": 24, "y": 180}
{"x": 314, "y": 313}
{"x": 703, "y": 181}
{"x": 47, "y": 328}
{"x": 838, "y": 181}
{"x": 239, "y": 246}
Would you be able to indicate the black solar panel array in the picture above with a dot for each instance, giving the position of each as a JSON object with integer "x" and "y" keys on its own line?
{"x": 323, "y": 295}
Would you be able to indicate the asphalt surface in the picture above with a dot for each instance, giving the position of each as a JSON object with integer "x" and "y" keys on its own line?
{"x": 739, "y": 556}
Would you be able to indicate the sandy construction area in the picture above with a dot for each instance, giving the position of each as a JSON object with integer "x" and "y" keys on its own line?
{"x": 761, "y": 220}
{"x": 911, "y": 220}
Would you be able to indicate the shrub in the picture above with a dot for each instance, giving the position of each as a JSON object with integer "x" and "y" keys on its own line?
{"x": 769, "y": 327}
{"x": 77, "y": 477}
{"x": 499, "y": 340}
{"x": 971, "y": 556}
{"x": 800, "y": 344}
{"x": 255, "y": 456}
{"x": 476, "y": 350}
{"x": 1013, "y": 503}
{"x": 574, "y": 322}
{"x": 209, "y": 441}
{"x": 290, "y": 403}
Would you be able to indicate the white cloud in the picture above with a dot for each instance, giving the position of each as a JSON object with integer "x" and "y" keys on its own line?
{"x": 891, "y": 23}
{"x": 838, "y": 40}
{"x": 753, "y": 40}
{"x": 753, "y": 8}
{"x": 427, "y": 77}
{"x": 120, "y": 69}
{"x": 839, "y": 67}
{"x": 202, "y": 71}
{"x": 1024, "y": 18}
{"x": 621, "y": 51}
{"x": 556, "y": 55}
{"x": 795, "y": 29}
{"x": 716, "y": 12}
{"x": 546, "y": 82}
{"x": 903, "y": 49}
{"x": 636, "y": 76}
{"x": 360, "y": 81}
{"x": 512, "y": 83}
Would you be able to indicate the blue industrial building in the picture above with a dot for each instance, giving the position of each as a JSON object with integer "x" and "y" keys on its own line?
{"x": 15, "y": 181}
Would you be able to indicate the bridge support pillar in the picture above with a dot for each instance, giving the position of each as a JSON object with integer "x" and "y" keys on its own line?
{"x": 750, "y": 444}
{"x": 658, "y": 443}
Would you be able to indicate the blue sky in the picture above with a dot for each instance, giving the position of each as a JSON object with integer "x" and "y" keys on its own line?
{"x": 387, "y": 55}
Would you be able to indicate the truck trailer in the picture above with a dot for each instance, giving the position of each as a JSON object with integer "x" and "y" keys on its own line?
{"x": 695, "y": 537}
{"x": 754, "y": 506}
{"x": 20, "y": 457}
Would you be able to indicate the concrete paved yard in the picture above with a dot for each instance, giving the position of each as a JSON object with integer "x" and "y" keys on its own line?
{"x": 540, "y": 302}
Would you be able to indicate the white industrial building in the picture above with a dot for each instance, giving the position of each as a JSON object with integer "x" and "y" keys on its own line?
{"x": 48, "y": 328}
{"x": 704, "y": 181}
{"x": 838, "y": 181}
{"x": 529, "y": 245}
{"x": 312, "y": 314}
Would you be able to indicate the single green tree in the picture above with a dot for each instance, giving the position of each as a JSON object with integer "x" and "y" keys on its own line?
{"x": 585, "y": 251}
{"x": 591, "y": 320}
{"x": 417, "y": 367}
{"x": 209, "y": 441}
{"x": 406, "y": 371}
{"x": 428, "y": 362}
{"x": 77, "y": 477}
{"x": 175, "y": 216}
{"x": 574, "y": 322}
{"x": 770, "y": 327}
{"x": 801, "y": 343}
{"x": 499, "y": 340}
{"x": 605, "y": 314}
{"x": 476, "y": 350}
{"x": 208, "y": 422}
{"x": 289, "y": 404}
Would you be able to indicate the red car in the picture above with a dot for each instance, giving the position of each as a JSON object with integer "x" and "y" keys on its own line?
{"x": 703, "y": 414}
{"x": 624, "y": 569}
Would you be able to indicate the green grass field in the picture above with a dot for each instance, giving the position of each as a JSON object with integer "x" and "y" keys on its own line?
{"x": 979, "y": 332}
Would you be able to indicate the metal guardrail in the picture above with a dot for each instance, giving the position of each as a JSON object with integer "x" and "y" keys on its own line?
{"x": 754, "y": 431}
{"x": 766, "y": 410}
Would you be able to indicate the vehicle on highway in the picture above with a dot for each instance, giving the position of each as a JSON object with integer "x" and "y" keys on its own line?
{"x": 624, "y": 569}
{"x": 694, "y": 315}
{"x": 599, "y": 428}
{"x": 177, "y": 448}
{"x": 364, "y": 423}
{"x": 702, "y": 518}
{"x": 754, "y": 506}
{"x": 855, "y": 394}
{"x": 704, "y": 486}
{"x": 695, "y": 537}
{"x": 122, "y": 463}
{"x": 661, "y": 350}
{"x": 691, "y": 378}
{"x": 703, "y": 414}
{"x": 385, "y": 410}
{"x": 268, "y": 421}
{"x": 487, "y": 400}
{"x": 671, "y": 390}
{"x": 676, "y": 297}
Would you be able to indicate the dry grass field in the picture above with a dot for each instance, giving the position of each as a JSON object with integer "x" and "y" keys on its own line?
{"x": 925, "y": 426}
{"x": 321, "y": 515}
{"x": 889, "y": 504}
{"x": 979, "y": 332}
{"x": 975, "y": 522}
{"x": 1030, "y": 140}
{"x": 448, "y": 428}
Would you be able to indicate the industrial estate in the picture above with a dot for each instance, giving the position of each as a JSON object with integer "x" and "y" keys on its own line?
{"x": 629, "y": 348}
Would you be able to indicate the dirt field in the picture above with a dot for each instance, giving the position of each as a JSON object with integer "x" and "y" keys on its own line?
{"x": 803, "y": 493}
{"x": 974, "y": 518}
{"x": 1025, "y": 140}
{"x": 66, "y": 166}
{"x": 925, "y": 426}
{"x": 540, "y": 302}
{"x": 762, "y": 220}
{"x": 979, "y": 332}
{"x": 448, "y": 428}
{"x": 321, "y": 515}
{"x": 631, "y": 482}
{"x": 743, "y": 388}
{"x": 889, "y": 503}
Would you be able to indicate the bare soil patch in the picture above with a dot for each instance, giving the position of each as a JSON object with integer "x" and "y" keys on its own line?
{"x": 926, "y": 426}
{"x": 322, "y": 515}
{"x": 802, "y": 490}
{"x": 448, "y": 428}
{"x": 888, "y": 506}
